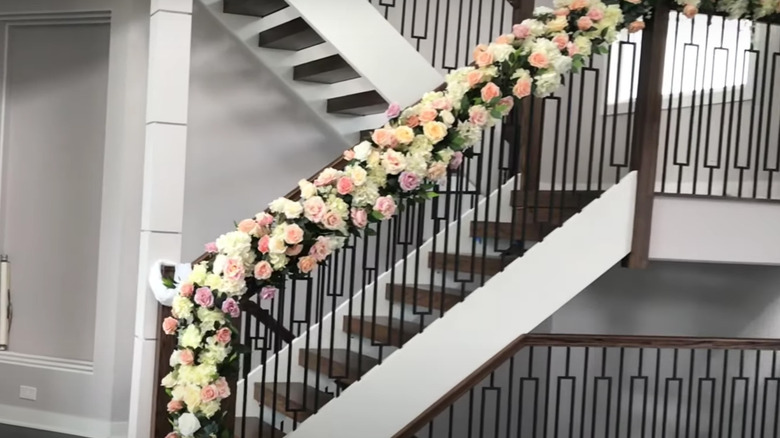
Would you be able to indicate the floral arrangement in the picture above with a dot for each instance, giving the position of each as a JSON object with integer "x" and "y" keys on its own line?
{"x": 737, "y": 9}
{"x": 404, "y": 162}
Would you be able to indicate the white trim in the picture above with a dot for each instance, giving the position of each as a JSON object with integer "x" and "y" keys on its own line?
{"x": 61, "y": 423}
{"x": 48, "y": 363}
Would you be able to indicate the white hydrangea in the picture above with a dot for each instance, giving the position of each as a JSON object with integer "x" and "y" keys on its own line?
{"x": 584, "y": 45}
{"x": 547, "y": 83}
{"x": 500, "y": 52}
{"x": 543, "y": 10}
{"x": 235, "y": 244}
{"x": 365, "y": 194}
{"x": 536, "y": 27}
{"x": 562, "y": 64}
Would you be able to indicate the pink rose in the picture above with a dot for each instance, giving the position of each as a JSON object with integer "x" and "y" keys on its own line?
{"x": 222, "y": 388}
{"x": 584, "y": 23}
{"x": 595, "y": 14}
{"x": 211, "y": 247}
{"x": 321, "y": 249}
{"x": 248, "y": 226}
{"x": 409, "y": 181}
{"x": 572, "y": 49}
{"x": 263, "y": 270}
{"x": 268, "y": 292}
{"x": 170, "y": 325}
{"x": 293, "y": 234}
{"x": 230, "y": 307}
{"x": 384, "y": 137}
{"x": 564, "y": 12}
{"x": 521, "y": 31}
{"x": 437, "y": 171}
{"x": 186, "y": 357}
{"x": 262, "y": 244}
{"x": 234, "y": 270}
{"x": 690, "y": 11}
{"x": 413, "y": 121}
{"x": 204, "y": 297}
{"x": 359, "y": 217}
{"x": 456, "y": 160}
{"x": 522, "y": 88}
{"x": 507, "y": 103}
{"x": 345, "y": 186}
{"x": 538, "y": 60}
{"x": 264, "y": 219}
{"x": 561, "y": 40}
{"x": 490, "y": 92}
{"x": 208, "y": 393}
{"x": 332, "y": 221}
{"x": 294, "y": 250}
{"x": 479, "y": 115}
{"x": 442, "y": 103}
{"x": 636, "y": 26}
{"x": 385, "y": 205}
{"x": 172, "y": 435}
{"x": 428, "y": 114}
{"x": 187, "y": 290}
{"x": 393, "y": 111}
{"x": 307, "y": 264}
{"x": 484, "y": 59}
{"x": 326, "y": 177}
{"x": 314, "y": 209}
{"x": 474, "y": 78}
{"x": 349, "y": 155}
{"x": 174, "y": 406}
{"x": 224, "y": 335}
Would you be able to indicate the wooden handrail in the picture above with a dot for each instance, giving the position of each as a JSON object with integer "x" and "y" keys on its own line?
{"x": 566, "y": 340}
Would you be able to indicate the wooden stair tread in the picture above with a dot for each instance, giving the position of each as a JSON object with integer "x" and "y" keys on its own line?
{"x": 385, "y": 331}
{"x": 255, "y": 8}
{"x": 295, "y": 34}
{"x": 328, "y": 70}
{"x": 491, "y": 264}
{"x": 528, "y": 231}
{"x": 546, "y": 198}
{"x": 301, "y": 402}
{"x": 253, "y": 426}
{"x": 426, "y": 296}
{"x": 546, "y": 214}
{"x": 358, "y": 104}
{"x": 342, "y": 365}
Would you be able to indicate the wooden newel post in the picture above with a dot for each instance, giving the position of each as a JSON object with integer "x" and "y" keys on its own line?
{"x": 647, "y": 126}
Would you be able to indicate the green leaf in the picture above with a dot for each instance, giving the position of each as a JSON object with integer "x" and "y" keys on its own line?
{"x": 495, "y": 113}
{"x": 370, "y": 231}
{"x": 167, "y": 282}
{"x": 377, "y": 215}
{"x": 431, "y": 195}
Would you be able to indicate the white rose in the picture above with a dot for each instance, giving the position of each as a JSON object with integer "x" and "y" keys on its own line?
{"x": 169, "y": 381}
{"x": 293, "y": 210}
{"x": 175, "y": 360}
{"x": 447, "y": 117}
{"x": 188, "y": 424}
{"x": 307, "y": 189}
{"x": 277, "y": 205}
{"x": 393, "y": 162}
{"x": 278, "y": 261}
{"x": 362, "y": 150}
{"x": 219, "y": 264}
{"x": 357, "y": 174}
{"x": 543, "y": 10}
{"x": 276, "y": 245}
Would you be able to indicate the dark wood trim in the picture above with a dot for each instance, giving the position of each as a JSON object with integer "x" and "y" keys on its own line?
{"x": 563, "y": 340}
{"x": 647, "y": 127}
{"x": 164, "y": 348}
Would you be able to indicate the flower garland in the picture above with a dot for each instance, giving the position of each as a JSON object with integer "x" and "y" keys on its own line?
{"x": 404, "y": 162}
{"x": 735, "y": 9}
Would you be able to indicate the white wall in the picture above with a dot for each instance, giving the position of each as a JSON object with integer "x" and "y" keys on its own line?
{"x": 250, "y": 139}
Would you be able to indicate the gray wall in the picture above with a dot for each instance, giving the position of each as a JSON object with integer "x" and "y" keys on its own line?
{"x": 250, "y": 139}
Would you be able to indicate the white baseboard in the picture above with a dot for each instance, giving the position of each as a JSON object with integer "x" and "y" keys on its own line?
{"x": 61, "y": 423}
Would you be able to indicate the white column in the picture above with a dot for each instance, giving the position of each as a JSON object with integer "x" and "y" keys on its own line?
{"x": 170, "y": 25}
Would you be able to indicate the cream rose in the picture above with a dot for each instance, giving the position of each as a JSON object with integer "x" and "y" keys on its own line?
{"x": 308, "y": 189}
{"x": 435, "y": 131}
{"x": 394, "y": 162}
{"x": 276, "y": 245}
{"x": 404, "y": 134}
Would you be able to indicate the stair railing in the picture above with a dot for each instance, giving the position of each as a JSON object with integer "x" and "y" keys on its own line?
{"x": 600, "y": 385}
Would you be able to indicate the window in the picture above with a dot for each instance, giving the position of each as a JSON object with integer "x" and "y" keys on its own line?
{"x": 698, "y": 58}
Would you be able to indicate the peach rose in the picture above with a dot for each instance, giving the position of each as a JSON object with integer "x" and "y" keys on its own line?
{"x": 293, "y": 234}
{"x": 561, "y": 40}
{"x": 522, "y": 88}
{"x": 359, "y": 217}
{"x": 442, "y": 104}
{"x": 690, "y": 11}
{"x": 413, "y": 121}
{"x": 345, "y": 186}
{"x": 262, "y": 244}
{"x": 294, "y": 250}
{"x": 435, "y": 131}
{"x": 538, "y": 60}
{"x": 490, "y": 92}
{"x": 384, "y": 137}
{"x": 484, "y": 59}
{"x": 187, "y": 289}
{"x": 437, "y": 171}
{"x": 307, "y": 264}
{"x": 480, "y": 49}
{"x": 349, "y": 155}
{"x": 505, "y": 39}
{"x": 186, "y": 357}
{"x": 175, "y": 406}
{"x": 170, "y": 325}
{"x": 172, "y": 435}
{"x": 579, "y": 4}
{"x": 263, "y": 270}
{"x": 234, "y": 270}
{"x": 223, "y": 335}
{"x": 321, "y": 249}
{"x": 636, "y": 26}
{"x": 584, "y": 23}
{"x": 595, "y": 14}
{"x": 479, "y": 115}
{"x": 209, "y": 393}
{"x": 474, "y": 77}
{"x": 314, "y": 209}
{"x": 428, "y": 114}
{"x": 507, "y": 103}
{"x": 385, "y": 205}
{"x": 326, "y": 177}
{"x": 332, "y": 221}
{"x": 264, "y": 219}
{"x": 248, "y": 226}
{"x": 562, "y": 12}
{"x": 222, "y": 388}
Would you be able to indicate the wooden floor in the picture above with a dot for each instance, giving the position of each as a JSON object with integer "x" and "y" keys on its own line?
{"x": 19, "y": 432}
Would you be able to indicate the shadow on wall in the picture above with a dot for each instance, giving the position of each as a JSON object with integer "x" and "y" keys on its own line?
{"x": 683, "y": 299}
{"x": 249, "y": 138}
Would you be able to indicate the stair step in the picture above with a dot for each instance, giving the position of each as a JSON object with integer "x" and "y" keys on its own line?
{"x": 342, "y": 365}
{"x": 255, "y": 8}
{"x": 325, "y": 71}
{"x": 543, "y": 198}
{"x": 529, "y": 232}
{"x": 385, "y": 331}
{"x": 293, "y": 35}
{"x": 468, "y": 263}
{"x": 253, "y": 426}
{"x": 429, "y": 297}
{"x": 359, "y": 104}
{"x": 300, "y": 403}
{"x": 554, "y": 215}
